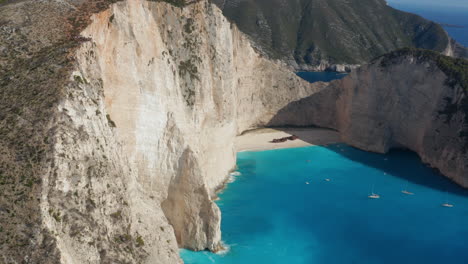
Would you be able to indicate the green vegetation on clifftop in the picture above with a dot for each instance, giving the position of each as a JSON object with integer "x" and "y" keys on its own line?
{"x": 456, "y": 70}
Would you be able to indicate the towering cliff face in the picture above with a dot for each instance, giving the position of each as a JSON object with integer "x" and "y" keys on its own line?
{"x": 142, "y": 133}
{"x": 114, "y": 142}
{"x": 333, "y": 34}
{"x": 410, "y": 98}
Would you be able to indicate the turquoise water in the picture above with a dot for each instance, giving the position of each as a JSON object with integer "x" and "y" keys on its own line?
{"x": 320, "y": 76}
{"x": 441, "y": 14}
{"x": 270, "y": 214}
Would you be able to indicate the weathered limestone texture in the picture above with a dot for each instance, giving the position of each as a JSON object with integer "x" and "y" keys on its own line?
{"x": 147, "y": 131}
{"x": 406, "y": 101}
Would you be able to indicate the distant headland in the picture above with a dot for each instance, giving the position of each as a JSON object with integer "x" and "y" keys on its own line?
{"x": 451, "y": 25}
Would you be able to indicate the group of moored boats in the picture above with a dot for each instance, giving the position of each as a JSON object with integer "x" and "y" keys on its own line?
{"x": 373, "y": 195}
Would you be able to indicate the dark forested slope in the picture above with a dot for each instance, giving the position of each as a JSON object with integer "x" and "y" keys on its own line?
{"x": 324, "y": 32}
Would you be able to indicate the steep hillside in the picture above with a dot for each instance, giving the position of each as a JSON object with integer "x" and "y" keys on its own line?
{"x": 381, "y": 106}
{"x": 118, "y": 127}
{"x": 317, "y": 34}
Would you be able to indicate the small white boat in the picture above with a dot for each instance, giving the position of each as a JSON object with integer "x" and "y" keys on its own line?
{"x": 405, "y": 190}
{"x": 307, "y": 182}
{"x": 373, "y": 194}
{"x": 327, "y": 180}
{"x": 447, "y": 204}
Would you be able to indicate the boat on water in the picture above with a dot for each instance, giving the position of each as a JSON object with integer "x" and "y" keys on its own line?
{"x": 405, "y": 190}
{"x": 373, "y": 195}
{"x": 447, "y": 204}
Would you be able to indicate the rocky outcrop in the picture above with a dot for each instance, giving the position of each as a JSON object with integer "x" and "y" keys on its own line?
{"x": 410, "y": 99}
{"x": 326, "y": 66}
{"x": 455, "y": 49}
{"x": 141, "y": 131}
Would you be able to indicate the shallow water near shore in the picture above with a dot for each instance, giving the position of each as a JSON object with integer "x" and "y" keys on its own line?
{"x": 282, "y": 209}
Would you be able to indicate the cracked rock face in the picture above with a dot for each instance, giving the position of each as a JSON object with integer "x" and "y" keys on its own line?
{"x": 403, "y": 102}
{"x": 141, "y": 133}
{"x": 179, "y": 85}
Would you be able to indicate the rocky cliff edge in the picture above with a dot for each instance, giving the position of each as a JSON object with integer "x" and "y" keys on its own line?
{"x": 410, "y": 98}
{"x": 118, "y": 121}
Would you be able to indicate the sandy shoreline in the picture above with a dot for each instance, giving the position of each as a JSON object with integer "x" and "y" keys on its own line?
{"x": 259, "y": 139}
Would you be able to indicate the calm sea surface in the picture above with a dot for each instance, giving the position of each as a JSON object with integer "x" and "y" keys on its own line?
{"x": 282, "y": 210}
{"x": 444, "y": 15}
{"x": 320, "y": 76}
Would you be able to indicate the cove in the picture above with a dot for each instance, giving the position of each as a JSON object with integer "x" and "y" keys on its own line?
{"x": 321, "y": 76}
{"x": 281, "y": 209}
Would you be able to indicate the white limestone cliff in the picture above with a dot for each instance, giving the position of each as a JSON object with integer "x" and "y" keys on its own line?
{"x": 402, "y": 102}
{"x": 146, "y": 132}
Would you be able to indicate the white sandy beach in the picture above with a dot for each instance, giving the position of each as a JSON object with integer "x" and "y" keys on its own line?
{"x": 259, "y": 139}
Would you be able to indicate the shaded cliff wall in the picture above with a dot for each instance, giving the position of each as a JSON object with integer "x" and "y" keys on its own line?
{"x": 400, "y": 100}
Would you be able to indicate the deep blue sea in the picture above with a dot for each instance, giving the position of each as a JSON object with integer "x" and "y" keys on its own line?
{"x": 272, "y": 216}
{"x": 440, "y": 14}
{"x": 320, "y": 76}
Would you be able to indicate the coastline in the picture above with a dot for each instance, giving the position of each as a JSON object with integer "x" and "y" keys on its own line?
{"x": 259, "y": 139}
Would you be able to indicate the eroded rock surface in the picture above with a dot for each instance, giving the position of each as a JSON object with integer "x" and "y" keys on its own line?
{"x": 142, "y": 132}
{"x": 407, "y": 99}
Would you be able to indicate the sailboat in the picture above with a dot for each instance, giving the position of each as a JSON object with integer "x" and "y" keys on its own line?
{"x": 447, "y": 204}
{"x": 405, "y": 190}
{"x": 373, "y": 195}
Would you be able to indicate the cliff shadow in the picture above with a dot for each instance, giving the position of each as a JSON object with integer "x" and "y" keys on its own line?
{"x": 315, "y": 112}
{"x": 383, "y": 162}
{"x": 396, "y": 159}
